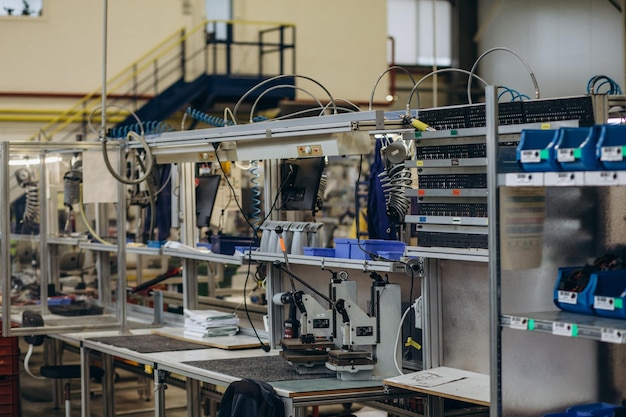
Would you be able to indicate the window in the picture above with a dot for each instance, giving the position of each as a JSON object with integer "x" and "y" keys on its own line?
{"x": 413, "y": 24}
{"x": 219, "y": 10}
{"x": 32, "y": 8}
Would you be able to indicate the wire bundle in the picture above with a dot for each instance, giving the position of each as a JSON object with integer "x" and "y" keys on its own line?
{"x": 515, "y": 95}
{"x": 594, "y": 88}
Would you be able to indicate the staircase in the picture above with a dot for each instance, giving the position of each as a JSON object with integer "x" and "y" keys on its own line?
{"x": 190, "y": 68}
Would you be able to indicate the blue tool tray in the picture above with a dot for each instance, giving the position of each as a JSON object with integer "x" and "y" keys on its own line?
{"x": 349, "y": 248}
{"x": 578, "y": 301}
{"x": 535, "y": 151}
{"x": 576, "y": 148}
{"x": 612, "y": 146}
{"x": 610, "y": 294}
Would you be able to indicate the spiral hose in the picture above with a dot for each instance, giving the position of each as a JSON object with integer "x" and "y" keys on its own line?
{"x": 31, "y": 211}
{"x": 207, "y": 118}
{"x": 255, "y": 215}
{"x": 149, "y": 128}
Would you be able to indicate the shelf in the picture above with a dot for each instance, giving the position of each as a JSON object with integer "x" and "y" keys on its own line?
{"x": 567, "y": 324}
{"x": 475, "y": 255}
{"x": 454, "y": 192}
{"x": 563, "y": 179}
{"x": 446, "y": 220}
{"x": 201, "y": 255}
{"x": 137, "y": 250}
{"x": 362, "y": 264}
{"x": 446, "y": 382}
{"x": 446, "y": 163}
{"x": 66, "y": 240}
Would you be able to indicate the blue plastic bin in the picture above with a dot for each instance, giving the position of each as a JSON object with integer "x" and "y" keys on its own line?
{"x": 612, "y": 146}
{"x": 391, "y": 255}
{"x": 535, "y": 151}
{"x": 349, "y": 248}
{"x": 574, "y": 301}
{"x": 576, "y": 148}
{"x": 610, "y": 294}
{"x": 225, "y": 244}
{"x": 324, "y": 252}
{"x": 599, "y": 409}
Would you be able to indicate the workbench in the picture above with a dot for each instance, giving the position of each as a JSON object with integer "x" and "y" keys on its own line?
{"x": 196, "y": 360}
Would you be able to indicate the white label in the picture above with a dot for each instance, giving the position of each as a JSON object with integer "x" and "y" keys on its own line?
{"x": 566, "y": 178}
{"x": 565, "y": 155}
{"x": 608, "y": 176}
{"x": 519, "y": 323}
{"x": 532, "y": 155}
{"x": 611, "y": 153}
{"x": 567, "y": 297}
{"x": 604, "y": 303}
{"x": 612, "y": 335}
{"x": 562, "y": 329}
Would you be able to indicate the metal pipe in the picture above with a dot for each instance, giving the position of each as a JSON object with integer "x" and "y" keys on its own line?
{"x": 495, "y": 332}
{"x": 104, "y": 69}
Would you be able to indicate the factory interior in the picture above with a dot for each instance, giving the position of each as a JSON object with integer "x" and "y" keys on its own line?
{"x": 368, "y": 208}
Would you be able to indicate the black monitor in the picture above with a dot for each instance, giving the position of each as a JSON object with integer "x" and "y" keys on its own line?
{"x": 301, "y": 181}
{"x": 206, "y": 191}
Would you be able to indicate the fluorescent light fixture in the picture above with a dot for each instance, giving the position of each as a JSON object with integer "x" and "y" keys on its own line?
{"x": 34, "y": 161}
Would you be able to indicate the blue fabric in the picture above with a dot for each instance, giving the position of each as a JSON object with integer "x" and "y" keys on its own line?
{"x": 378, "y": 222}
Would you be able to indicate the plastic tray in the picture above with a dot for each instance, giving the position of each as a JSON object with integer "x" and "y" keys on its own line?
{"x": 610, "y": 294}
{"x": 612, "y": 146}
{"x": 350, "y": 248}
{"x": 574, "y": 301}
{"x": 535, "y": 151}
{"x": 325, "y": 252}
{"x": 576, "y": 148}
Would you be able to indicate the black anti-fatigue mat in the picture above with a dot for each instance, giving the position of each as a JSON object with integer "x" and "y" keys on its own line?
{"x": 148, "y": 343}
{"x": 264, "y": 368}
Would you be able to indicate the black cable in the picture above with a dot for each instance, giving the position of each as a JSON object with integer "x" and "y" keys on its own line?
{"x": 266, "y": 348}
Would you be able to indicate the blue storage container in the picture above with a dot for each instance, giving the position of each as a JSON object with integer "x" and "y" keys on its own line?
{"x": 391, "y": 255}
{"x": 610, "y": 294}
{"x": 576, "y": 148}
{"x": 535, "y": 151}
{"x": 612, "y": 146}
{"x": 323, "y": 252}
{"x": 350, "y": 249}
{"x": 599, "y": 409}
{"x": 225, "y": 244}
{"x": 567, "y": 297}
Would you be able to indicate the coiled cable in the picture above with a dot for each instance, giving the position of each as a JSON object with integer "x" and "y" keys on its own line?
{"x": 255, "y": 214}
{"x": 207, "y": 118}
{"x": 594, "y": 88}
{"x": 395, "y": 181}
{"x": 150, "y": 128}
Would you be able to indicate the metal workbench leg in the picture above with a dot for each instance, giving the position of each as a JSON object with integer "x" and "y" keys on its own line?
{"x": 159, "y": 393}
{"x": 108, "y": 388}
{"x": 193, "y": 398}
{"x": 85, "y": 406}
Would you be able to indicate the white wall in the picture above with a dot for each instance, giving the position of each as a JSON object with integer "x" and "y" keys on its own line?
{"x": 340, "y": 44}
{"x": 62, "y": 51}
{"x": 565, "y": 42}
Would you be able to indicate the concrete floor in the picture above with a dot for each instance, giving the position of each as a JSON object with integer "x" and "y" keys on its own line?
{"x": 133, "y": 394}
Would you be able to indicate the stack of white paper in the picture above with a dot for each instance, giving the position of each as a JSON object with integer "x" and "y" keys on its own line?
{"x": 208, "y": 323}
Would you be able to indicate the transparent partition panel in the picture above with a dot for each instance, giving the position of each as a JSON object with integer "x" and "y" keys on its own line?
{"x": 50, "y": 282}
